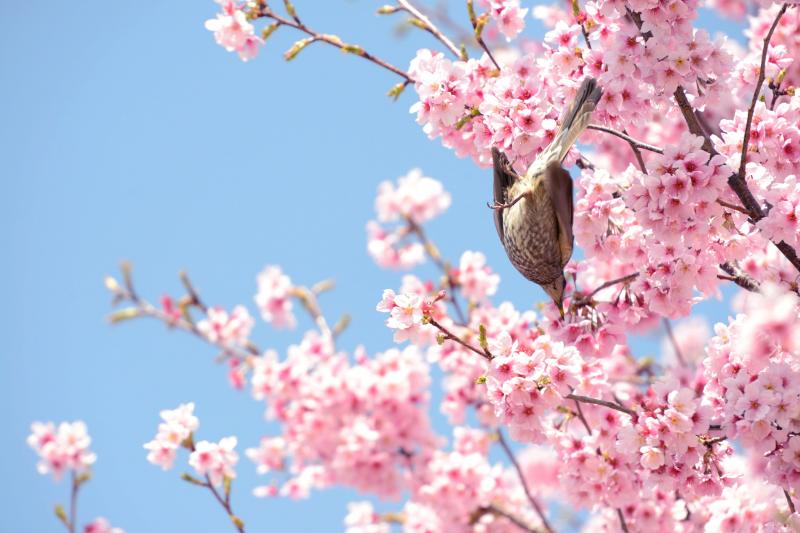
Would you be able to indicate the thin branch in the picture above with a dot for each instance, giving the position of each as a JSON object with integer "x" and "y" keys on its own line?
{"x": 226, "y": 504}
{"x": 673, "y": 341}
{"x": 477, "y": 26}
{"x": 450, "y": 336}
{"x": 604, "y": 403}
{"x": 433, "y": 252}
{"x": 262, "y": 10}
{"x": 740, "y": 278}
{"x": 622, "y": 523}
{"x": 624, "y": 279}
{"x": 789, "y": 501}
{"x": 430, "y": 27}
{"x": 582, "y": 418}
{"x": 759, "y": 82}
{"x": 73, "y": 503}
{"x": 534, "y": 503}
{"x": 626, "y": 137}
{"x": 495, "y": 510}
{"x": 733, "y": 207}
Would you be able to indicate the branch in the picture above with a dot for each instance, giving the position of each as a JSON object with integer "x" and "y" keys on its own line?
{"x": 757, "y": 90}
{"x": 789, "y": 501}
{"x": 535, "y": 504}
{"x": 73, "y": 503}
{"x": 633, "y": 142}
{"x": 495, "y": 510}
{"x": 740, "y": 278}
{"x": 622, "y": 523}
{"x": 604, "y": 403}
{"x": 427, "y": 25}
{"x": 736, "y": 181}
{"x": 583, "y": 300}
{"x": 262, "y": 10}
{"x": 448, "y": 335}
{"x": 433, "y": 252}
{"x": 478, "y": 24}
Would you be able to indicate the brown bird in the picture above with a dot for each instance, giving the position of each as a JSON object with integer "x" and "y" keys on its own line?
{"x": 533, "y": 213}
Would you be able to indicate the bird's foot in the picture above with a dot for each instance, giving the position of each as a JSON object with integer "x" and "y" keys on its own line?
{"x": 498, "y": 205}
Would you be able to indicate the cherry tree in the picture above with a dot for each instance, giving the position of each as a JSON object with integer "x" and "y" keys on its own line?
{"x": 686, "y": 181}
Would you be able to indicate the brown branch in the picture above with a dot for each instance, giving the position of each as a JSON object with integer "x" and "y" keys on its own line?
{"x": 604, "y": 403}
{"x": 73, "y": 503}
{"x": 426, "y": 24}
{"x": 789, "y": 501}
{"x": 534, "y": 503}
{"x": 450, "y": 336}
{"x": 622, "y": 523}
{"x": 733, "y": 207}
{"x": 262, "y": 10}
{"x": 740, "y": 278}
{"x": 624, "y": 279}
{"x": 433, "y": 252}
{"x": 633, "y": 142}
{"x": 759, "y": 83}
{"x": 495, "y": 510}
{"x": 477, "y": 25}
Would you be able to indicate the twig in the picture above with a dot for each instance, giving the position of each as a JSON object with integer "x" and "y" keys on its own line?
{"x": 759, "y": 82}
{"x": 226, "y": 504}
{"x": 535, "y": 504}
{"x": 740, "y": 278}
{"x": 477, "y": 26}
{"x": 604, "y": 403}
{"x": 733, "y": 207}
{"x": 433, "y": 252}
{"x": 262, "y": 10}
{"x": 73, "y": 503}
{"x": 430, "y": 27}
{"x": 626, "y": 137}
{"x": 449, "y": 335}
{"x": 494, "y": 509}
{"x": 789, "y": 501}
{"x": 624, "y": 279}
{"x": 622, "y": 520}
{"x": 673, "y": 341}
{"x": 582, "y": 418}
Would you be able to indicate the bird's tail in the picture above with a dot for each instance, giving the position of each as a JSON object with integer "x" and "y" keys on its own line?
{"x": 575, "y": 120}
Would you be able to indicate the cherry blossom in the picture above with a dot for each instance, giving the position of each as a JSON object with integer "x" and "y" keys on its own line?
{"x": 62, "y": 449}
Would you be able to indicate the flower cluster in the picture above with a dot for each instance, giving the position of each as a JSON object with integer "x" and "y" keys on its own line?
{"x": 474, "y": 277}
{"x": 233, "y": 31}
{"x": 414, "y": 200}
{"x": 174, "y": 432}
{"x": 274, "y": 297}
{"x": 62, "y": 449}
{"x": 214, "y": 461}
{"x": 754, "y": 381}
{"x": 523, "y": 386}
{"x": 362, "y": 425}
{"x": 508, "y": 15}
{"x": 225, "y": 329}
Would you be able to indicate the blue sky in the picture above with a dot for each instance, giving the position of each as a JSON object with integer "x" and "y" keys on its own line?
{"x": 126, "y": 133}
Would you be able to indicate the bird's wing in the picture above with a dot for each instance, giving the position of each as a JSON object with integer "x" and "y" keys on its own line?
{"x": 502, "y": 181}
{"x": 559, "y": 187}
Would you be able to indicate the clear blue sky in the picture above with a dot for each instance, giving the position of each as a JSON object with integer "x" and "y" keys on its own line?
{"x": 125, "y": 132}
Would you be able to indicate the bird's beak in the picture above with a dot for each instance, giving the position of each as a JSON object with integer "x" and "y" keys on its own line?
{"x": 561, "y": 309}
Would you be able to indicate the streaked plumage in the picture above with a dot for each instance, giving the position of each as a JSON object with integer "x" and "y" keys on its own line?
{"x": 536, "y": 230}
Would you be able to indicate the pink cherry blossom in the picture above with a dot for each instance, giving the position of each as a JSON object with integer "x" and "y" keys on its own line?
{"x": 233, "y": 31}
{"x": 219, "y": 327}
{"x": 274, "y": 297}
{"x": 101, "y": 525}
{"x": 63, "y": 449}
{"x": 215, "y": 460}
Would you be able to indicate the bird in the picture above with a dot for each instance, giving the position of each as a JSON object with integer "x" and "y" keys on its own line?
{"x": 533, "y": 212}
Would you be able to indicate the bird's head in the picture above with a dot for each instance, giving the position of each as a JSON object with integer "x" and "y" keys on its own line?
{"x": 555, "y": 290}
